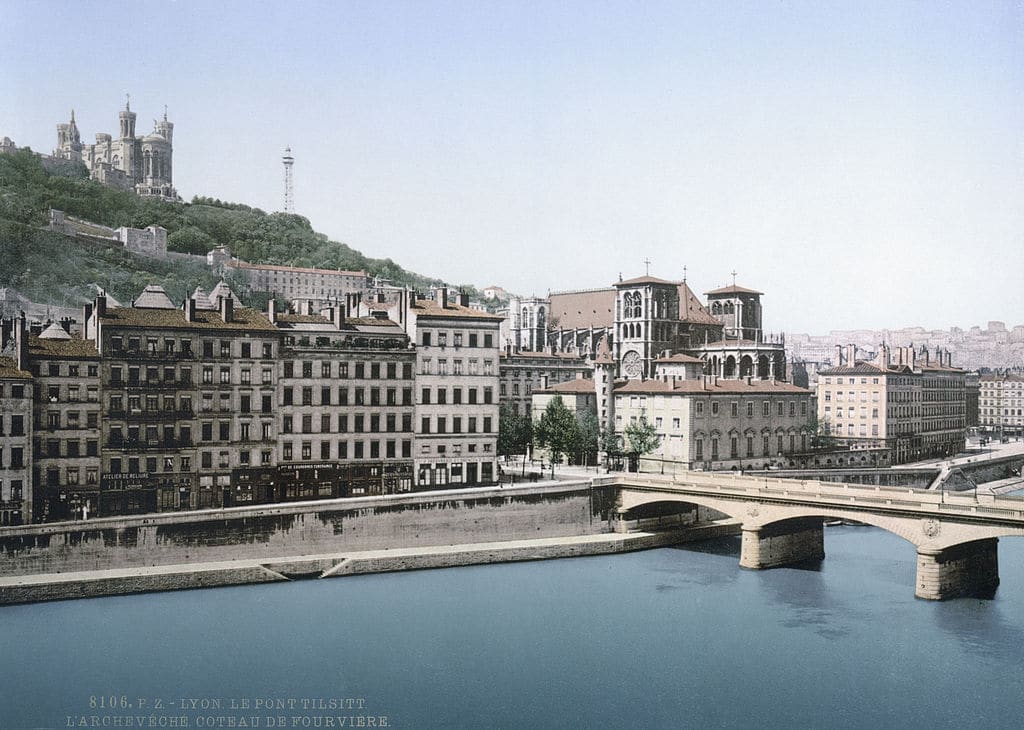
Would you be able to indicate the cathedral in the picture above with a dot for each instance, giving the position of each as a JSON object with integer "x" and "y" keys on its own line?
{"x": 139, "y": 164}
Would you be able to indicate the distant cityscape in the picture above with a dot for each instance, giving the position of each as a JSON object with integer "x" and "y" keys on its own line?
{"x": 347, "y": 385}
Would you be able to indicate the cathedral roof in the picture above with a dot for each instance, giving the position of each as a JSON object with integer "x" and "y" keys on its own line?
{"x": 643, "y": 280}
{"x": 691, "y": 309}
{"x": 733, "y": 289}
{"x": 680, "y": 357}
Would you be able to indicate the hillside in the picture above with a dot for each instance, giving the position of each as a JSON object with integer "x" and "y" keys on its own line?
{"x": 44, "y": 267}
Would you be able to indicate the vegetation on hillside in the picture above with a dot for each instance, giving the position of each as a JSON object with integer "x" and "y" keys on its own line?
{"x": 31, "y": 185}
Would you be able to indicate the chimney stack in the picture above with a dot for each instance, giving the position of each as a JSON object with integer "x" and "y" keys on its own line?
{"x": 86, "y": 314}
{"x": 464, "y": 298}
{"x": 21, "y": 342}
{"x": 441, "y": 297}
{"x": 839, "y": 355}
{"x": 338, "y": 315}
{"x": 190, "y": 309}
{"x": 272, "y": 310}
{"x": 101, "y": 305}
{"x": 227, "y": 308}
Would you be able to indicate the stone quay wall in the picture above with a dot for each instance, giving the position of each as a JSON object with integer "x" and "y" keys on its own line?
{"x": 310, "y": 528}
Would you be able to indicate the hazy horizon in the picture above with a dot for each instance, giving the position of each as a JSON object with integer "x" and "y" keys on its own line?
{"x": 860, "y": 164}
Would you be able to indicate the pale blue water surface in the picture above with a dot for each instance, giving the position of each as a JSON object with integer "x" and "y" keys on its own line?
{"x": 666, "y": 638}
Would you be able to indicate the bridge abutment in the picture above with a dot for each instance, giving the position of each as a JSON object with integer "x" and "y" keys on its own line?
{"x": 782, "y": 543}
{"x": 970, "y": 568}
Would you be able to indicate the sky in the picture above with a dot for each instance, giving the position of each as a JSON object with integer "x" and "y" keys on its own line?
{"x": 862, "y": 163}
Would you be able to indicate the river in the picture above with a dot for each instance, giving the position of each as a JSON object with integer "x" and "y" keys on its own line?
{"x": 669, "y": 638}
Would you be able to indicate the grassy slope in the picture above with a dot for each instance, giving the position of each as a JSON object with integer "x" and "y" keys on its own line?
{"x": 49, "y": 268}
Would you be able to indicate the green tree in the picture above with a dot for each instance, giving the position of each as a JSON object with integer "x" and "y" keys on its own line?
{"x": 514, "y": 432}
{"x": 641, "y": 437}
{"x": 557, "y": 430}
{"x": 589, "y": 435}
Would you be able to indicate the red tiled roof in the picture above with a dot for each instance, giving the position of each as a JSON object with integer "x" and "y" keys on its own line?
{"x": 680, "y": 357}
{"x": 578, "y": 385}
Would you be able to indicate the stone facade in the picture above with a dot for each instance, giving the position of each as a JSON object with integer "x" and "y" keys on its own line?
{"x": 908, "y": 403}
{"x": 457, "y": 390}
{"x": 345, "y": 404}
{"x": 143, "y": 164}
{"x": 719, "y": 424}
{"x": 1001, "y": 402}
{"x": 524, "y": 372}
{"x": 16, "y": 393}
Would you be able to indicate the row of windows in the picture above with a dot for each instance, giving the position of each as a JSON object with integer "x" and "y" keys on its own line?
{"x": 171, "y": 346}
{"x": 70, "y": 370}
{"x": 472, "y": 339}
{"x": 374, "y": 424}
{"x": 51, "y": 448}
{"x": 359, "y": 396}
{"x": 440, "y": 424}
{"x": 780, "y": 444}
{"x": 441, "y": 396}
{"x": 473, "y": 367}
{"x": 18, "y": 390}
{"x": 340, "y": 450}
{"x": 358, "y": 370}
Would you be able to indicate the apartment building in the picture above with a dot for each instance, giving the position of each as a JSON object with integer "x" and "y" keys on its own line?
{"x": 16, "y": 389}
{"x": 457, "y": 379}
{"x": 66, "y": 456}
{"x": 715, "y": 423}
{"x": 345, "y": 406}
{"x": 521, "y": 373}
{"x": 1001, "y": 402}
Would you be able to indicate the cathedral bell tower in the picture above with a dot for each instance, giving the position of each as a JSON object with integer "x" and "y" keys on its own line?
{"x": 646, "y": 324}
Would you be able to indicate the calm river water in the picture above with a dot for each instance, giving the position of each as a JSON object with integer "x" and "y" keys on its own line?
{"x": 670, "y": 638}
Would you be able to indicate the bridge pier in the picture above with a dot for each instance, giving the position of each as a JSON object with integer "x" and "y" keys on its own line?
{"x": 782, "y": 543}
{"x": 970, "y": 568}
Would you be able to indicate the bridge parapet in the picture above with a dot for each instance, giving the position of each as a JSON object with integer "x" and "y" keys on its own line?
{"x": 955, "y": 534}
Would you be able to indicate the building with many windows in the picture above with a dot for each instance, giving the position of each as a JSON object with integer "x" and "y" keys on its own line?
{"x": 188, "y": 401}
{"x": 457, "y": 389}
{"x": 912, "y": 405}
{"x": 521, "y": 373}
{"x": 714, "y": 423}
{"x": 15, "y": 439}
{"x": 345, "y": 406}
{"x": 1001, "y": 402}
{"x": 66, "y": 466}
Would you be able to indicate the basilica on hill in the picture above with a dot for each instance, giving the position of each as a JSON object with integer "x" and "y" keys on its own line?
{"x": 142, "y": 164}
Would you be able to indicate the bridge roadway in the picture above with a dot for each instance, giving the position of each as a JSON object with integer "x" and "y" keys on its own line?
{"x": 955, "y": 533}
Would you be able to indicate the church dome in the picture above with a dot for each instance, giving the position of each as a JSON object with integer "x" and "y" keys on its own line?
{"x": 155, "y": 138}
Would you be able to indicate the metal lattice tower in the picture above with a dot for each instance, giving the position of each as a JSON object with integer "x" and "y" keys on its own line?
{"x": 289, "y": 193}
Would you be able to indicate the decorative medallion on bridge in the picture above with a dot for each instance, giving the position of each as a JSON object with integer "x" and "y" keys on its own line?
{"x": 753, "y": 511}
{"x": 930, "y": 527}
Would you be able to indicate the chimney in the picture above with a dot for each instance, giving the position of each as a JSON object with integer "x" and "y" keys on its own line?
{"x": 21, "y": 343}
{"x": 851, "y": 355}
{"x": 227, "y": 308}
{"x": 441, "y": 297}
{"x": 464, "y": 298}
{"x": 883, "y": 356}
{"x": 86, "y": 314}
{"x": 101, "y": 305}
{"x": 272, "y": 310}
{"x": 309, "y": 306}
{"x": 839, "y": 355}
{"x": 189, "y": 307}
{"x": 338, "y": 315}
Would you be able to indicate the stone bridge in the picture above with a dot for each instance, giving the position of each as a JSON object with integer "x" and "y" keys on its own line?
{"x": 955, "y": 534}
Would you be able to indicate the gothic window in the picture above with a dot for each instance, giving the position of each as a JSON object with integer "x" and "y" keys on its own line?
{"x": 716, "y": 308}
{"x": 631, "y": 364}
{"x": 637, "y": 305}
{"x": 729, "y": 308}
